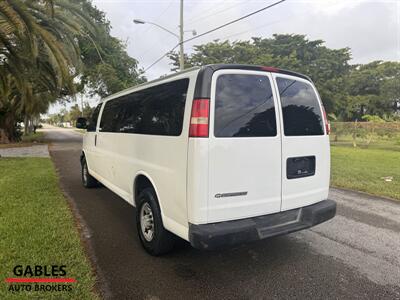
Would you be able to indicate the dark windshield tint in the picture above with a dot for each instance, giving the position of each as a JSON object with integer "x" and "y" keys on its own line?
{"x": 300, "y": 107}
{"x": 244, "y": 106}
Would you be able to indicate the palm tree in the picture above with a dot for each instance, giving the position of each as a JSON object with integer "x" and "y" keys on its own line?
{"x": 39, "y": 56}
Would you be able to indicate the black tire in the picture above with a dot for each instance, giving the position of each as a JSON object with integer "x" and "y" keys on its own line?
{"x": 88, "y": 181}
{"x": 162, "y": 241}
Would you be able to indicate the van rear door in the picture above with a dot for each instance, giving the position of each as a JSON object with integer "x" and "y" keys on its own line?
{"x": 244, "y": 146}
{"x": 305, "y": 143}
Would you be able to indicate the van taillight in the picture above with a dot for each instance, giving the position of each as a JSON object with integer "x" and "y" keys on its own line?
{"x": 327, "y": 125}
{"x": 199, "y": 118}
{"x": 270, "y": 69}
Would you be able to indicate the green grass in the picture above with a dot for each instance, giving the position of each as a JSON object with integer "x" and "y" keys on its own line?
{"x": 37, "y": 137}
{"x": 27, "y": 140}
{"x": 383, "y": 143}
{"x": 37, "y": 228}
{"x": 362, "y": 170}
{"x": 80, "y": 130}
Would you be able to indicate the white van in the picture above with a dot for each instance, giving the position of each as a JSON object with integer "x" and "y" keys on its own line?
{"x": 218, "y": 155}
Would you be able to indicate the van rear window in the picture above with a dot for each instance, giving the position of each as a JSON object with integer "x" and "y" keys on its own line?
{"x": 300, "y": 108}
{"x": 244, "y": 106}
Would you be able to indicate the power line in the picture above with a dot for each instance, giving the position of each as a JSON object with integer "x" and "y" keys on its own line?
{"x": 201, "y": 18}
{"x": 258, "y": 27}
{"x": 234, "y": 21}
{"x": 291, "y": 17}
{"x": 165, "y": 54}
{"x": 156, "y": 18}
{"x": 206, "y": 12}
{"x": 215, "y": 29}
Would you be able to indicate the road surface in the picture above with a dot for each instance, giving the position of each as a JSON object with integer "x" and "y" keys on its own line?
{"x": 355, "y": 255}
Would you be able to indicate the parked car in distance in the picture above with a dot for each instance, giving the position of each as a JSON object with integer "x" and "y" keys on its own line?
{"x": 217, "y": 155}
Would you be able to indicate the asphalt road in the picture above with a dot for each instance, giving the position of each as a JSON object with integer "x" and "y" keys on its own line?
{"x": 355, "y": 255}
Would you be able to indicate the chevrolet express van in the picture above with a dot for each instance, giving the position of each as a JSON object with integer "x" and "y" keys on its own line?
{"x": 217, "y": 155}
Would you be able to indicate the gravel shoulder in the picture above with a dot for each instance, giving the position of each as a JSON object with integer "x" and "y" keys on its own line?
{"x": 30, "y": 151}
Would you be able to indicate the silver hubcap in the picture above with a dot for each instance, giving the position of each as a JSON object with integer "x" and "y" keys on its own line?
{"x": 147, "y": 222}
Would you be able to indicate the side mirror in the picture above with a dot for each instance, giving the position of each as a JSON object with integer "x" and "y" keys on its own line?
{"x": 81, "y": 123}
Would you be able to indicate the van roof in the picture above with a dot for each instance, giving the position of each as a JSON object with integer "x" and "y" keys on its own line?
{"x": 144, "y": 84}
{"x": 203, "y": 83}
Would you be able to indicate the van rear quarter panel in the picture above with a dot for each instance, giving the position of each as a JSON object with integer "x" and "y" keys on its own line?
{"x": 161, "y": 159}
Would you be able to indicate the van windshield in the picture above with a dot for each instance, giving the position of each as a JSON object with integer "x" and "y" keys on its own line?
{"x": 244, "y": 106}
{"x": 300, "y": 108}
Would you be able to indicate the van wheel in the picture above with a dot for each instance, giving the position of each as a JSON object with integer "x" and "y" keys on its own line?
{"x": 88, "y": 181}
{"x": 155, "y": 239}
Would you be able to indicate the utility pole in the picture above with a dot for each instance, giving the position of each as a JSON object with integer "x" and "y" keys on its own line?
{"x": 178, "y": 36}
{"x": 181, "y": 55}
{"x": 82, "y": 104}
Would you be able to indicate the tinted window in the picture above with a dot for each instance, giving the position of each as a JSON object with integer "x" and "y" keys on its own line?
{"x": 110, "y": 115}
{"x": 244, "y": 106}
{"x": 93, "y": 120}
{"x": 301, "y": 110}
{"x": 132, "y": 113}
{"x": 157, "y": 110}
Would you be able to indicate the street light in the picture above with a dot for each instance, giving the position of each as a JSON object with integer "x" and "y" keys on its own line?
{"x": 179, "y": 37}
{"x": 138, "y": 21}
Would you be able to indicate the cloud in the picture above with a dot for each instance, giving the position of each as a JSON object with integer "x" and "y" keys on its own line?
{"x": 370, "y": 28}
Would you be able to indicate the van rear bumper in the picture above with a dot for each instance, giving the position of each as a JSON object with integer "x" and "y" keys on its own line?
{"x": 216, "y": 235}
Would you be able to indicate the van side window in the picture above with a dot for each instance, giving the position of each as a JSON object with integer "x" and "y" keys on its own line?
{"x": 300, "y": 108}
{"x": 110, "y": 115}
{"x": 157, "y": 110}
{"x": 93, "y": 119}
{"x": 244, "y": 106}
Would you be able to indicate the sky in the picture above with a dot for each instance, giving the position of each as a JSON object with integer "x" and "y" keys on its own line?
{"x": 371, "y": 29}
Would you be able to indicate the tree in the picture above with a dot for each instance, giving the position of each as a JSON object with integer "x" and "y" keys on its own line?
{"x": 373, "y": 89}
{"x": 286, "y": 51}
{"x": 294, "y": 52}
{"x": 49, "y": 50}
{"x": 40, "y": 57}
{"x": 348, "y": 92}
{"x": 107, "y": 66}
{"x": 74, "y": 113}
{"x": 87, "y": 110}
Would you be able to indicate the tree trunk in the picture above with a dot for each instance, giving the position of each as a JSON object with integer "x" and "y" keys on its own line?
{"x": 354, "y": 135}
{"x": 3, "y": 137}
{"x": 8, "y": 130}
{"x": 26, "y": 125}
{"x": 31, "y": 124}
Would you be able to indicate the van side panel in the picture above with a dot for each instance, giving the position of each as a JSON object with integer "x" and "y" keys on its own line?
{"x": 163, "y": 159}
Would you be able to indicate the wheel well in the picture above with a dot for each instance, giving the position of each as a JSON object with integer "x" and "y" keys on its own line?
{"x": 82, "y": 157}
{"x": 141, "y": 182}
